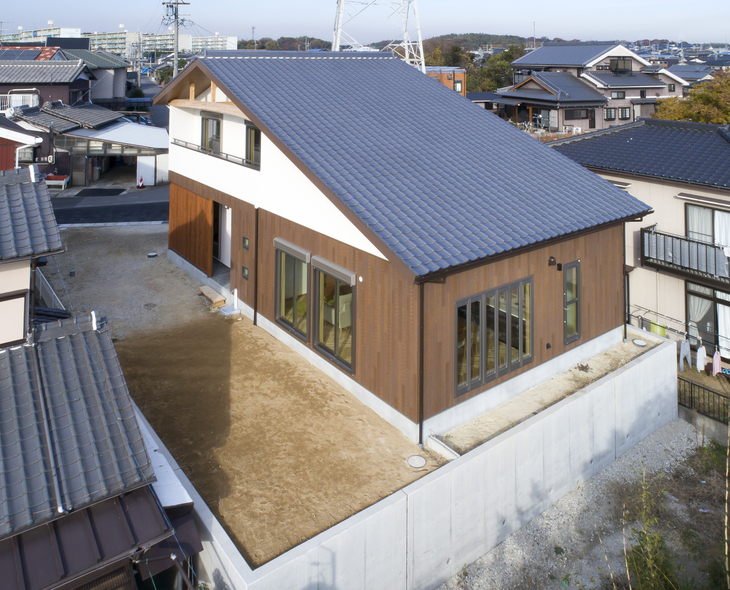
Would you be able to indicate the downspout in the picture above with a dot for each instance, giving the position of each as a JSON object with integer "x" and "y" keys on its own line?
{"x": 33, "y": 267}
{"x": 626, "y": 283}
{"x": 256, "y": 272}
{"x": 420, "y": 363}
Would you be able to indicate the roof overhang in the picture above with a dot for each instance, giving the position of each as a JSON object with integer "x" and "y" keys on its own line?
{"x": 674, "y": 77}
{"x": 617, "y": 51}
{"x": 126, "y": 133}
{"x": 19, "y": 137}
{"x": 197, "y": 73}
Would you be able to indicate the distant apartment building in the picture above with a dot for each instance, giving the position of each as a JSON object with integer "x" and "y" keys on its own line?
{"x": 38, "y": 35}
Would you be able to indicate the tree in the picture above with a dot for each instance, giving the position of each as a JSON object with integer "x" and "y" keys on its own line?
{"x": 271, "y": 46}
{"x": 435, "y": 58}
{"x": 496, "y": 73}
{"x": 708, "y": 102}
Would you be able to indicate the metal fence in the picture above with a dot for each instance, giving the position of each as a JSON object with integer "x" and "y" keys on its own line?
{"x": 666, "y": 249}
{"x": 705, "y": 401}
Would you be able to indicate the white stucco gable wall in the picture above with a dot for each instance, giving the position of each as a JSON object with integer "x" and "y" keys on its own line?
{"x": 279, "y": 186}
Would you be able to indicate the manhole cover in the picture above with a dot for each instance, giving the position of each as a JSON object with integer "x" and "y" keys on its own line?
{"x": 416, "y": 461}
{"x": 639, "y": 342}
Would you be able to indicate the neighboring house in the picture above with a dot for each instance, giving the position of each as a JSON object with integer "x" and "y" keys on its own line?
{"x": 483, "y": 99}
{"x": 109, "y": 70}
{"x": 68, "y": 81}
{"x": 77, "y": 509}
{"x": 422, "y": 269}
{"x": 681, "y": 277}
{"x": 563, "y": 86}
{"x": 454, "y": 78}
{"x": 16, "y": 144}
{"x": 85, "y": 140}
{"x": 694, "y": 73}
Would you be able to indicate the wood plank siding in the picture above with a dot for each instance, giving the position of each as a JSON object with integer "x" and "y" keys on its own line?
{"x": 602, "y": 295}
{"x": 386, "y": 360}
{"x": 7, "y": 154}
{"x": 191, "y": 228}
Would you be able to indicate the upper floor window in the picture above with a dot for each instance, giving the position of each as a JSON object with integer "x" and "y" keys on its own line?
{"x": 457, "y": 85}
{"x": 620, "y": 65}
{"x": 211, "y": 132}
{"x": 671, "y": 88}
{"x": 253, "y": 146}
{"x": 710, "y": 226}
{"x": 494, "y": 333}
{"x": 624, "y": 113}
{"x": 571, "y": 301}
{"x": 609, "y": 114}
{"x": 642, "y": 93}
{"x": 618, "y": 94}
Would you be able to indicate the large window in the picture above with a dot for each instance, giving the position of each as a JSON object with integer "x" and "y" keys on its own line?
{"x": 572, "y": 114}
{"x": 253, "y": 146}
{"x": 292, "y": 287}
{"x": 708, "y": 318}
{"x": 571, "y": 301}
{"x": 620, "y": 65}
{"x": 211, "y": 133}
{"x": 335, "y": 310}
{"x": 609, "y": 114}
{"x": 624, "y": 113}
{"x": 493, "y": 334}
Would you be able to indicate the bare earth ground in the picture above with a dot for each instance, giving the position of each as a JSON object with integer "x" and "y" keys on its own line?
{"x": 278, "y": 451}
{"x": 487, "y": 426}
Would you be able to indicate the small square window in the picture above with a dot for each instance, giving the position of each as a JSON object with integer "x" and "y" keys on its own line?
{"x": 244, "y": 272}
{"x": 457, "y": 85}
{"x": 245, "y": 243}
{"x": 671, "y": 88}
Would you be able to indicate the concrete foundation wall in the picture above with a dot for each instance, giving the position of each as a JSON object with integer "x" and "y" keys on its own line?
{"x": 422, "y": 535}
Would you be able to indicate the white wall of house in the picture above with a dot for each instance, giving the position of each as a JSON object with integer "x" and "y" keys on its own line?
{"x": 279, "y": 186}
{"x": 14, "y": 277}
{"x": 103, "y": 86}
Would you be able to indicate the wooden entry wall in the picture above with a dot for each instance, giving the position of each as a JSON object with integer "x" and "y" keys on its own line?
{"x": 191, "y": 228}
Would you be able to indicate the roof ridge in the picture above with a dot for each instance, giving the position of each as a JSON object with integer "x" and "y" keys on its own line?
{"x": 598, "y": 133}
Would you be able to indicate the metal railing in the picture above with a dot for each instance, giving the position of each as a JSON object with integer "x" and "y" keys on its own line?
{"x": 705, "y": 401}
{"x": 228, "y": 157}
{"x": 690, "y": 257}
{"x": 18, "y": 100}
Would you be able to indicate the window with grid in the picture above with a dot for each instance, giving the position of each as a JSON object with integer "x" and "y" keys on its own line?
{"x": 624, "y": 113}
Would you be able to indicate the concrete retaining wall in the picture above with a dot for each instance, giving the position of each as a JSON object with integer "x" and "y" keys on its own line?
{"x": 422, "y": 535}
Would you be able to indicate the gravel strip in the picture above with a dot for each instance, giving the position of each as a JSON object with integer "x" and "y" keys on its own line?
{"x": 575, "y": 539}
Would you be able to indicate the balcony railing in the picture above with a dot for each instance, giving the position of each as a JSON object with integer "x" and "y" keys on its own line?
{"x": 706, "y": 401}
{"x": 18, "y": 100}
{"x": 692, "y": 259}
{"x": 228, "y": 157}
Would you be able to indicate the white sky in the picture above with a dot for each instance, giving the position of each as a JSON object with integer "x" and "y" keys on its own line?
{"x": 568, "y": 19}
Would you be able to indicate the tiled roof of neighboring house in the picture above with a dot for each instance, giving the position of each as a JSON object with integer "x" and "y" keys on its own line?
{"x": 564, "y": 54}
{"x": 68, "y": 434}
{"x": 6, "y": 123}
{"x": 43, "y": 119}
{"x": 635, "y": 80}
{"x": 96, "y": 60}
{"x": 673, "y": 150}
{"x": 565, "y": 86}
{"x": 481, "y": 96}
{"x": 374, "y": 148}
{"x": 41, "y": 72}
{"x": 27, "y": 223}
{"x": 652, "y": 69}
{"x": 444, "y": 70}
{"x": 87, "y": 115}
{"x": 23, "y": 54}
{"x": 692, "y": 73}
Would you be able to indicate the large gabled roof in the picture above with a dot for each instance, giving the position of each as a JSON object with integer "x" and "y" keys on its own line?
{"x": 671, "y": 150}
{"x": 565, "y": 54}
{"x": 27, "y": 224}
{"x": 69, "y": 437}
{"x": 559, "y": 87}
{"x": 96, "y": 59}
{"x": 42, "y": 72}
{"x": 431, "y": 176}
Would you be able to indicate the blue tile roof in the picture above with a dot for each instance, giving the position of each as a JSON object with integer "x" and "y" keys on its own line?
{"x": 562, "y": 87}
{"x": 671, "y": 150}
{"x": 564, "y": 54}
{"x": 635, "y": 80}
{"x": 440, "y": 181}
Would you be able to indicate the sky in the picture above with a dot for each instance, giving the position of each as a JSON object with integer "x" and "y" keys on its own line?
{"x": 567, "y": 19}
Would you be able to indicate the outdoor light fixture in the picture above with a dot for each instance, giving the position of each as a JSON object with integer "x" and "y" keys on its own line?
{"x": 551, "y": 261}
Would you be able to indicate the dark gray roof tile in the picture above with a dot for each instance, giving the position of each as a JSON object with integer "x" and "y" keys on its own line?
{"x": 64, "y": 403}
{"x": 41, "y": 72}
{"x": 565, "y": 54}
{"x": 459, "y": 173}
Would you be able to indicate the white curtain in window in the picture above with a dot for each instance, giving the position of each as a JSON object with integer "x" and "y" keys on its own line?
{"x": 699, "y": 223}
{"x": 723, "y": 329}
{"x": 698, "y": 307}
{"x": 722, "y": 228}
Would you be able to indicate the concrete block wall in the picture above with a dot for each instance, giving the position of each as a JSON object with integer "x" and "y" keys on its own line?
{"x": 422, "y": 535}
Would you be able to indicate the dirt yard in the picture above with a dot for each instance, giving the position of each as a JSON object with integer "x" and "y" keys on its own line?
{"x": 278, "y": 451}
{"x": 485, "y": 427}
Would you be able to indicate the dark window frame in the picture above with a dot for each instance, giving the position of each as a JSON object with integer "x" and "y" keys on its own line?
{"x": 460, "y": 84}
{"x": 620, "y": 65}
{"x": 618, "y": 94}
{"x": 626, "y": 111}
{"x": 570, "y": 338}
{"x": 251, "y": 157}
{"x": 611, "y": 116}
{"x": 341, "y": 275}
{"x": 205, "y": 118}
{"x": 570, "y": 114}
{"x": 485, "y": 376}
{"x": 671, "y": 87}
{"x": 302, "y": 255}
{"x": 642, "y": 93}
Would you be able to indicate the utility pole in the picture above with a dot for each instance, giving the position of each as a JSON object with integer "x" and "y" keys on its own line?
{"x": 253, "y": 36}
{"x": 173, "y": 16}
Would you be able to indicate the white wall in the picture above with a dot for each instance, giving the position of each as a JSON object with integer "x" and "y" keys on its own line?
{"x": 162, "y": 169}
{"x": 103, "y": 86}
{"x": 146, "y": 170}
{"x": 419, "y": 537}
{"x": 279, "y": 186}
{"x": 14, "y": 277}
{"x": 120, "y": 83}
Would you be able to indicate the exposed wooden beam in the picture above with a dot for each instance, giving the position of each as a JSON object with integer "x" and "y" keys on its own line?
{"x": 192, "y": 90}
{"x": 224, "y": 108}
{"x": 212, "y": 92}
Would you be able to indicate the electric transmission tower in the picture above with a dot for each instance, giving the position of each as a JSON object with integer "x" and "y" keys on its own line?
{"x": 402, "y": 13}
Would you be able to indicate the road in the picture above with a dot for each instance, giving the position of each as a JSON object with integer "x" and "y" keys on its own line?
{"x": 160, "y": 115}
{"x": 149, "y": 204}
